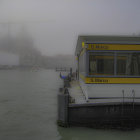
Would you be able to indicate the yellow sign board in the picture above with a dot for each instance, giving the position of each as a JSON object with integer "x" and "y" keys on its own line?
{"x": 114, "y": 80}
{"x": 113, "y": 47}
{"x": 108, "y": 80}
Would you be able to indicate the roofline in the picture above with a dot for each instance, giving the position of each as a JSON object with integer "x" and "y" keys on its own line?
{"x": 106, "y": 38}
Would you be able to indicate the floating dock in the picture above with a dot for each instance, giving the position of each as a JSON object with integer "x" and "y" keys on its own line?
{"x": 105, "y": 92}
{"x": 75, "y": 110}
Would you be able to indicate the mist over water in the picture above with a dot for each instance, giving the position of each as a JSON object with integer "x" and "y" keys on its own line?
{"x": 36, "y": 36}
{"x": 28, "y": 104}
{"x": 36, "y": 31}
{"x": 54, "y": 25}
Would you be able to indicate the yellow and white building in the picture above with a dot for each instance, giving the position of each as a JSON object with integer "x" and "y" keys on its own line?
{"x": 109, "y": 67}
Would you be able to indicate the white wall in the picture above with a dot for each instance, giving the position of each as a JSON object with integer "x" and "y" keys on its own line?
{"x": 111, "y": 90}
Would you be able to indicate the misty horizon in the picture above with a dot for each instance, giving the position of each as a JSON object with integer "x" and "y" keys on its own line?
{"x": 54, "y": 25}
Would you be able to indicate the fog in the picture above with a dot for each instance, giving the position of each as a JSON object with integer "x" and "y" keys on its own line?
{"x": 8, "y": 59}
{"x": 52, "y": 26}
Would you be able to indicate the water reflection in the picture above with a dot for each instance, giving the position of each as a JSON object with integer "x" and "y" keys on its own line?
{"x": 78, "y": 133}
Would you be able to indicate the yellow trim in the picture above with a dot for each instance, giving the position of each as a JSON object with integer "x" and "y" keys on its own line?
{"x": 113, "y": 80}
{"x": 113, "y": 47}
{"x": 83, "y": 44}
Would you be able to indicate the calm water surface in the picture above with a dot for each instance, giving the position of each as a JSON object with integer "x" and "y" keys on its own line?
{"x": 28, "y": 110}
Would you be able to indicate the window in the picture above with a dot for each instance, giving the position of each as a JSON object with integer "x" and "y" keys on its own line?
{"x": 101, "y": 64}
{"x": 114, "y": 64}
{"x": 128, "y": 64}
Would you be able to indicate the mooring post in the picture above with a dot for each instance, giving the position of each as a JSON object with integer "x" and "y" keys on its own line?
{"x": 63, "y": 102}
{"x": 70, "y": 71}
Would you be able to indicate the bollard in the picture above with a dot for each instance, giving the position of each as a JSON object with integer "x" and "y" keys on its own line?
{"x": 63, "y": 110}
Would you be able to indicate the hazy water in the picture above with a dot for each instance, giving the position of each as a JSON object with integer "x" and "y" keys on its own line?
{"x": 28, "y": 110}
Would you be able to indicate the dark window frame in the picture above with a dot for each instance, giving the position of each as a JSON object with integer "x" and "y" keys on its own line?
{"x": 100, "y": 59}
{"x": 115, "y": 63}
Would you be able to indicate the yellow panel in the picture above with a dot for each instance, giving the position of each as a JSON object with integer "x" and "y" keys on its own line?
{"x": 83, "y": 44}
{"x": 112, "y": 80}
{"x": 113, "y": 47}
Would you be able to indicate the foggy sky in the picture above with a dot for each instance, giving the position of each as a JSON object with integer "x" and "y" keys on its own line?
{"x": 55, "y": 24}
{"x": 8, "y": 59}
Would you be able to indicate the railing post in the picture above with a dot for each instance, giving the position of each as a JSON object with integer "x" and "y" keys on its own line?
{"x": 133, "y": 92}
{"x": 63, "y": 102}
{"x": 123, "y": 103}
